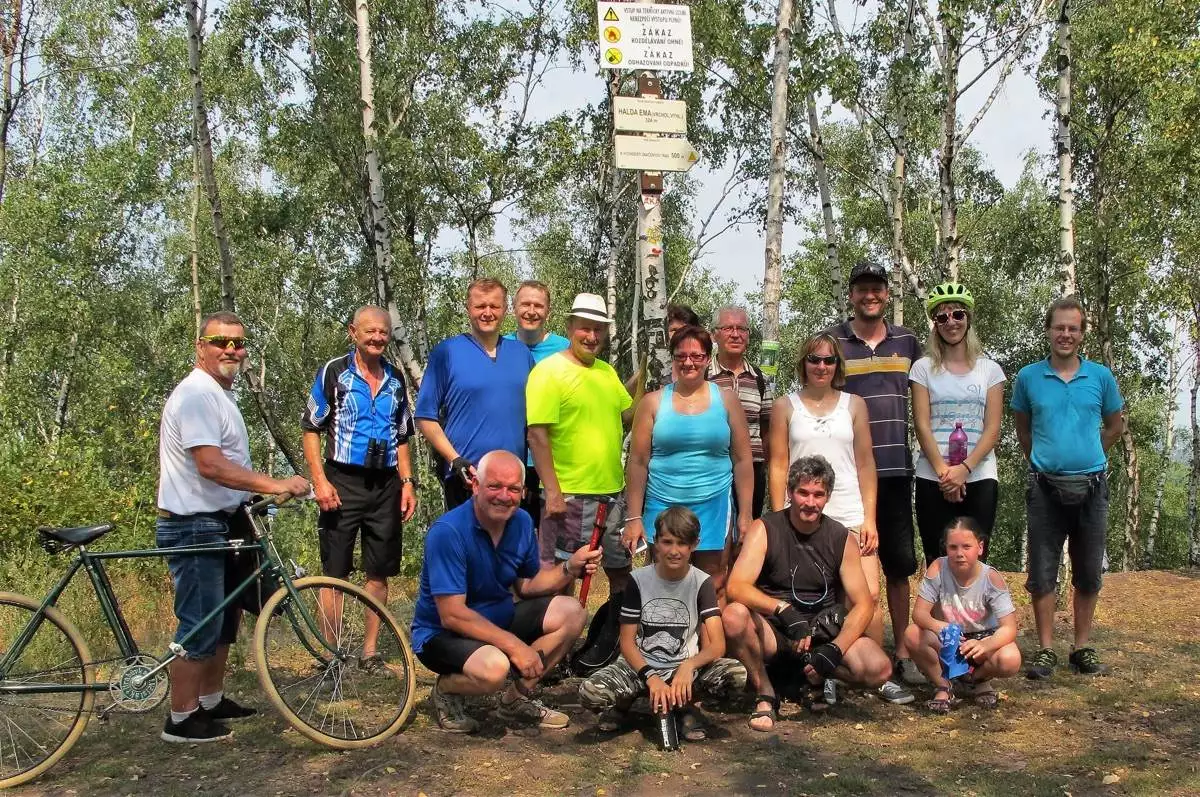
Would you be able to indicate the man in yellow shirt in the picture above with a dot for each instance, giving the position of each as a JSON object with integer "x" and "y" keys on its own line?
{"x": 576, "y": 407}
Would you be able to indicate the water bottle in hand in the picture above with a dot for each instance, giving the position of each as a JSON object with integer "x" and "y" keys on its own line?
{"x": 956, "y": 454}
{"x": 954, "y": 663}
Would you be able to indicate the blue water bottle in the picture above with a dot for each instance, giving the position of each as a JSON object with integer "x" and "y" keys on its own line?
{"x": 954, "y": 663}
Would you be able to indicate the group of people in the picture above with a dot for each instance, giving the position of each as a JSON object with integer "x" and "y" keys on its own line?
{"x": 768, "y": 521}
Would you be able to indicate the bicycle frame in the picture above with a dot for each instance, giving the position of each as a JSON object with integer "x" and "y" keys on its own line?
{"x": 92, "y": 563}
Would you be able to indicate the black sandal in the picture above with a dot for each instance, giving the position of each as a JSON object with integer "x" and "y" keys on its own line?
{"x": 772, "y": 712}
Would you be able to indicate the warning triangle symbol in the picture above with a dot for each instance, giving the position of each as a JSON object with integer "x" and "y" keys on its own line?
{"x": 611, "y": 16}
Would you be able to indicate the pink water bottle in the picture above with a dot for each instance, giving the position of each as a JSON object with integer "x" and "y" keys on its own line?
{"x": 957, "y": 452}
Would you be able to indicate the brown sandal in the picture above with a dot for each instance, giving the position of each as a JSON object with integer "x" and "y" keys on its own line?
{"x": 941, "y": 705}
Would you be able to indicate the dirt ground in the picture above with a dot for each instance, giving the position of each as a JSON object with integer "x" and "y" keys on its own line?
{"x": 1134, "y": 731}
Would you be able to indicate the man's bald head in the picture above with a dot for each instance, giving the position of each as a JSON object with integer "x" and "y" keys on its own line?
{"x": 501, "y": 464}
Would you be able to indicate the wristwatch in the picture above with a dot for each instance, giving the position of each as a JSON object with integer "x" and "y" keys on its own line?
{"x": 566, "y": 568}
{"x": 410, "y": 480}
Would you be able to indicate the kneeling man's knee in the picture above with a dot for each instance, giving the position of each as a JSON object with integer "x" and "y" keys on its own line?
{"x": 735, "y": 618}
{"x": 872, "y": 666}
{"x": 566, "y": 613}
{"x": 491, "y": 668}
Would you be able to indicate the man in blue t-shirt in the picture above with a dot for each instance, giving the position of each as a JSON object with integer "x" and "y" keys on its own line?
{"x": 531, "y": 305}
{"x": 466, "y": 626}
{"x": 472, "y": 399}
{"x": 1067, "y": 413}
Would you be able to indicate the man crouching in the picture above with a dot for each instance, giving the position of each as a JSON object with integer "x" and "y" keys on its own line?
{"x": 466, "y": 626}
{"x": 671, "y": 636}
{"x": 796, "y": 572}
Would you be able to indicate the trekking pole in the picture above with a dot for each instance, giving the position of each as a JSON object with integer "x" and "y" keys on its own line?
{"x": 593, "y": 544}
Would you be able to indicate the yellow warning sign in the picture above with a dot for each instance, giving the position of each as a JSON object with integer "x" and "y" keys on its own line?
{"x": 612, "y": 55}
{"x": 612, "y": 35}
{"x": 692, "y": 157}
{"x": 611, "y": 16}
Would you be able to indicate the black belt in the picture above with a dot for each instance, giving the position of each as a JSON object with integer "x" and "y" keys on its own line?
{"x": 225, "y": 515}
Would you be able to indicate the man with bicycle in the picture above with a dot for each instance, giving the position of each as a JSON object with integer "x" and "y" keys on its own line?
{"x": 467, "y": 627}
{"x": 797, "y": 570}
{"x": 205, "y": 475}
{"x": 363, "y": 481}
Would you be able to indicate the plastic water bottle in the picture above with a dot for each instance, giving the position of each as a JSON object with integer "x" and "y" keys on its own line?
{"x": 954, "y": 663}
{"x": 956, "y": 453}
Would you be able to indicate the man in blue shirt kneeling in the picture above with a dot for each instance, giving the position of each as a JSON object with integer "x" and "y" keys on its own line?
{"x": 467, "y": 627}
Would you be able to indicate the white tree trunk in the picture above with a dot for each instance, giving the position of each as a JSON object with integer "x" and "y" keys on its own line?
{"x": 773, "y": 267}
{"x": 204, "y": 145}
{"x": 380, "y": 226}
{"x": 836, "y": 289}
{"x": 653, "y": 277}
{"x": 1169, "y": 407}
{"x": 1194, "y": 476}
{"x": 1066, "y": 185}
{"x": 951, "y": 21}
{"x": 194, "y": 234}
{"x": 64, "y": 392}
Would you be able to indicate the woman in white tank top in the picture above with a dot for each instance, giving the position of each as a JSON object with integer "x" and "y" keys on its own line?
{"x": 820, "y": 418}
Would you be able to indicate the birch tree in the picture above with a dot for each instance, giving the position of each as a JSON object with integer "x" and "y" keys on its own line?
{"x": 1066, "y": 186}
{"x": 777, "y": 172}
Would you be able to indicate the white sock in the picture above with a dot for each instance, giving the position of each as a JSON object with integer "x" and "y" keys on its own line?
{"x": 210, "y": 701}
{"x": 179, "y": 716}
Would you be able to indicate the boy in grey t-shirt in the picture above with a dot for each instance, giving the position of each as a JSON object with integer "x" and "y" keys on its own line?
{"x": 959, "y": 589}
{"x": 672, "y": 639}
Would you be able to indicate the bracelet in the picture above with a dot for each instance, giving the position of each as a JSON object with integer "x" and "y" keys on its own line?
{"x": 965, "y": 465}
{"x": 645, "y": 673}
{"x": 635, "y": 517}
{"x": 566, "y": 568}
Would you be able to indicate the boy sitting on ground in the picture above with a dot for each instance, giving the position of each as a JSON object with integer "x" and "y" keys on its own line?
{"x": 671, "y": 636}
{"x": 960, "y": 589}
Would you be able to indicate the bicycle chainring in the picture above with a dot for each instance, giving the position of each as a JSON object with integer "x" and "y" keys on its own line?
{"x": 130, "y": 693}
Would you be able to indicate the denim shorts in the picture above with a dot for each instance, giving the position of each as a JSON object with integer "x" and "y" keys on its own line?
{"x": 199, "y": 582}
{"x": 1083, "y": 526}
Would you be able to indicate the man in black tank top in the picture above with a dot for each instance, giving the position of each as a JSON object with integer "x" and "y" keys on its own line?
{"x": 796, "y": 570}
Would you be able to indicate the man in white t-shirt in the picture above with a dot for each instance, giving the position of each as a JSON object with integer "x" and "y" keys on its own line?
{"x": 205, "y": 475}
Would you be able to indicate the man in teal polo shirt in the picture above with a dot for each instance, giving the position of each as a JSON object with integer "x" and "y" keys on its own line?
{"x": 1067, "y": 412}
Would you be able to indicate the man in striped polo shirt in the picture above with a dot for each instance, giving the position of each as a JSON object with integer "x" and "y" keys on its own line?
{"x": 878, "y": 355}
{"x": 732, "y": 371}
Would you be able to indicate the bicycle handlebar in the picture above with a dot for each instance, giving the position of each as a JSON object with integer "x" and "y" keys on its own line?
{"x": 261, "y": 504}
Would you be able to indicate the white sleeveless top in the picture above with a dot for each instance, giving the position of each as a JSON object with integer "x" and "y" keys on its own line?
{"x": 831, "y": 436}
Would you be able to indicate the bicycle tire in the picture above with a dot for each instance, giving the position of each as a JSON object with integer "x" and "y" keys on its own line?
{"x": 37, "y": 729}
{"x": 334, "y": 702}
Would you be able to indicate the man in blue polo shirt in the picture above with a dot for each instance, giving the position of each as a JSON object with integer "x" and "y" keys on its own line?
{"x": 531, "y": 305}
{"x": 466, "y": 626}
{"x": 363, "y": 481}
{"x": 1067, "y": 413}
{"x": 878, "y": 357}
{"x": 472, "y": 399}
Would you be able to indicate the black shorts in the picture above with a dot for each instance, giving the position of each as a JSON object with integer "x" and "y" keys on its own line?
{"x": 370, "y": 502}
{"x": 447, "y": 653}
{"x": 532, "y": 502}
{"x": 935, "y": 513}
{"x": 760, "y": 492}
{"x": 455, "y": 491}
{"x": 894, "y": 520}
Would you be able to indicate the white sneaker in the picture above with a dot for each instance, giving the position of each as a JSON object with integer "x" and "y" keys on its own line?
{"x": 896, "y": 693}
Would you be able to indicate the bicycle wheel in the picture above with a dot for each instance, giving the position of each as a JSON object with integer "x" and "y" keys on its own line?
{"x": 38, "y": 728}
{"x": 332, "y": 698}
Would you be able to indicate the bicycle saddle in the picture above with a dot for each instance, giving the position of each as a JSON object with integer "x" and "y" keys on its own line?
{"x": 75, "y": 535}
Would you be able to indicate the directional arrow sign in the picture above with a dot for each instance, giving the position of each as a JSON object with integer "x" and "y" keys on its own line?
{"x": 640, "y": 153}
{"x": 649, "y": 115}
{"x": 644, "y": 36}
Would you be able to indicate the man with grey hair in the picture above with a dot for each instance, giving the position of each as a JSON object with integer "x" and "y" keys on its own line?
{"x": 467, "y": 627}
{"x": 788, "y": 590}
{"x": 731, "y": 371}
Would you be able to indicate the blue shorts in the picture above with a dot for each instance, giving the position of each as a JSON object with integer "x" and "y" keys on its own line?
{"x": 199, "y": 582}
{"x": 715, "y": 516}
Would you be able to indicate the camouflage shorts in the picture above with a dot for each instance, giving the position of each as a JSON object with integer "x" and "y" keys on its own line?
{"x": 618, "y": 685}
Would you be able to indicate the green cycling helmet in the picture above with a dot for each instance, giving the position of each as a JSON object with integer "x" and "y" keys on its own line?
{"x": 949, "y": 292}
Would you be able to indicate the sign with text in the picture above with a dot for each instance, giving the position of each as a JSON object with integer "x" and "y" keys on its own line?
{"x": 640, "y": 153}
{"x": 645, "y": 36}
{"x": 649, "y": 115}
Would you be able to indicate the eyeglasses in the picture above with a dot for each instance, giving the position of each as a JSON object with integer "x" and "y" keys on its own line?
{"x": 696, "y": 358}
{"x": 222, "y": 342}
{"x": 1065, "y": 330}
{"x": 942, "y": 318}
{"x": 734, "y": 328}
{"x": 816, "y": 359}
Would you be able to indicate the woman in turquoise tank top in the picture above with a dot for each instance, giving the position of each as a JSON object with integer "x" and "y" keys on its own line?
{"x": 690, "y": 445}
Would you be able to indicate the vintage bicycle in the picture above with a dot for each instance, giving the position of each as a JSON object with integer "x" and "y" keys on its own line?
{"x": 307, "y": 647}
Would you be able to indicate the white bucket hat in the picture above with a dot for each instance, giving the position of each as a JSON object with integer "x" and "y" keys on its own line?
{"x": 590, "y": 306}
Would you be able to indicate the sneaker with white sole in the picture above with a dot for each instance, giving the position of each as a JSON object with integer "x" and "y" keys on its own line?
{"x": 450, "y": 712}
{"x": 531, "y": 711}
{"x": 196, "y": 728}
{"x": 896, "y": 693}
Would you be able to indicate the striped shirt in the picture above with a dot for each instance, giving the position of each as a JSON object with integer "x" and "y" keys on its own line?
{"x": 751, "y": 389}
{"x": 880, "y": 376}
{"x": 340, "y": 404}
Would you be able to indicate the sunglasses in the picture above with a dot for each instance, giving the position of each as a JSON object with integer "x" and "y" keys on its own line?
{"x": 816, "y": 359}
{"x": 222, "y": 342}
{"x": 942, "y": 318}
{"x": 696, "y": 358}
